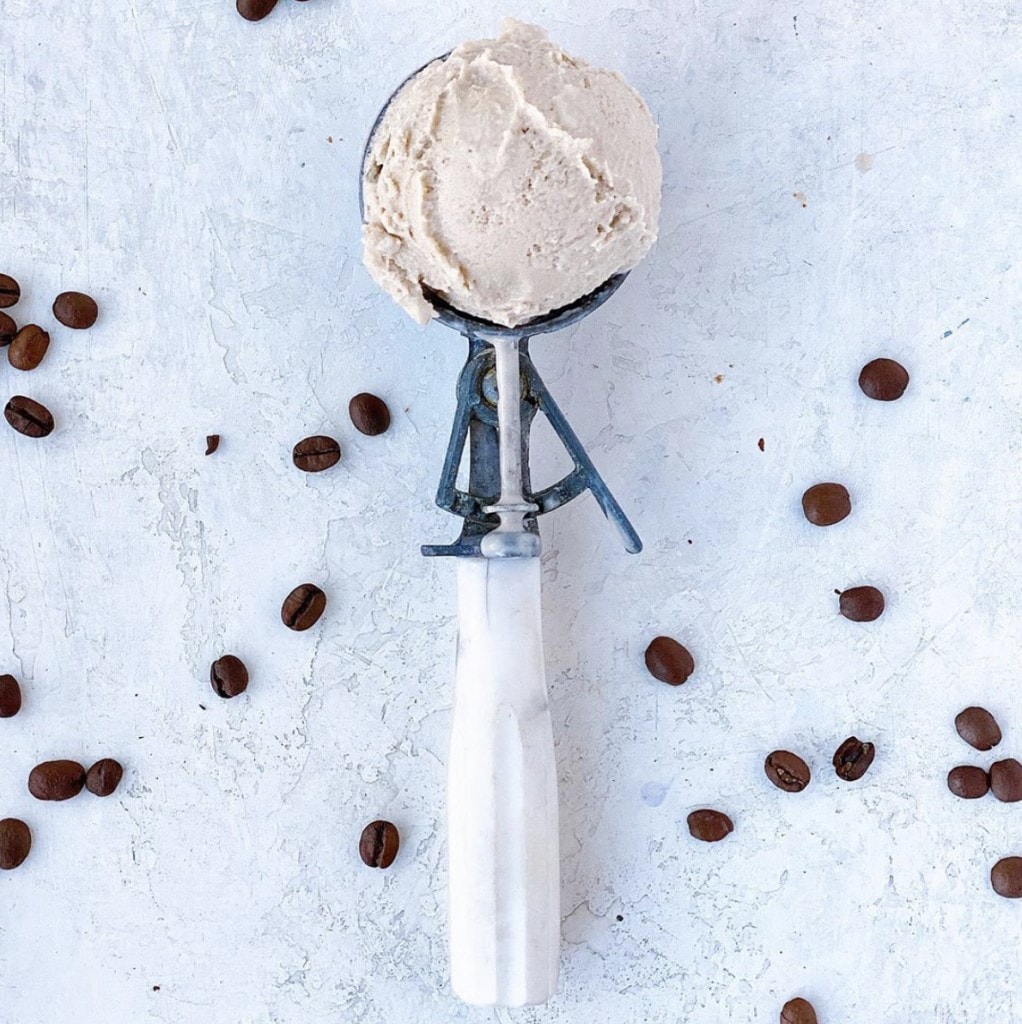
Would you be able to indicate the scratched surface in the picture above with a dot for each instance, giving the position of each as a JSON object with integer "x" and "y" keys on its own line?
{"x": 841, "y": 182}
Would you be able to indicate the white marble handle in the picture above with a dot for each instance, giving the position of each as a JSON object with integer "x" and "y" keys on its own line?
{"x": 504, "y": 877}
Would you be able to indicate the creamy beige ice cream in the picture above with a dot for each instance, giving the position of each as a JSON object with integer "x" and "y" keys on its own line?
{"x": 510, "y": 179}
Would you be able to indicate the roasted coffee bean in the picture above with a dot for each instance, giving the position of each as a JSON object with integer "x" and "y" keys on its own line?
{"x": 853, "y": 758}
{"x": 228, "y": 676}
{"x": 8, "y": 328}
{"x": 378, "y": 844}
{"x": 10, "y": 291}
{"x": 883, "y": 379}
{"x": 10, "y": 696}
{"x": 826, "y": 504}
{"x": 978, "y": 728}
{"x": 212, "y": 443}
{"x": 104, "y": 777}
{"x": 668, "y": 661}
{"x": 798, "y": 1011}
{"x": 369, "y": 414}
{"x": 255, "y": 10}
{"x": 28, "y": 348}
{"x": 1006, "y": 780}
{"x": 787, "y": 771}
{"x": 1006, "y": 877}
{"x": 15, "y": 843}
{"x": 303, "y": 607}
{"x": 315, "y": 454}
{"x": 76, "y": 310}
{"x": 861, "y": 604}
{"x": 28, "y": 417}
{"x": 968, "y": 782}
{"x": 709, "y": 826}
{"x": 56, "y": 780}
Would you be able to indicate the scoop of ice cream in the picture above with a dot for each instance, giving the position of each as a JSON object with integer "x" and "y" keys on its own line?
{"x": 510, "y": 179}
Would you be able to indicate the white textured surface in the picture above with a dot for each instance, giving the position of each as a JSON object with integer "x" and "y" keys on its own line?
{"x": 174, "y": 161}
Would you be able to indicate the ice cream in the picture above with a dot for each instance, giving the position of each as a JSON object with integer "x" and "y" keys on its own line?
{"x": 510, "y": 180}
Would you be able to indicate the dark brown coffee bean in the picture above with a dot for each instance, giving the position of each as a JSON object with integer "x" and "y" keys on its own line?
{"x": 668, "y": 661}
{"x": 10, "y": 291}
{"x": 978, "y": 728}
{"x": 28, "y": 348}
{"x": 861, "y": 604}
{"x": 315, "y": 454}
{"x": 104, "y": 777}
{"x": 798, "y": 1011}
{"x": 883, "y": 379}
{"x": 10, "y": 696}
{"x": 826, "y": 504}
{"x": 1006, "y": 877}
{"x": 255, "y": 10}
{"x": 76, "y": 310}
{"x": 8, "y": 328}
{"x": 1006, "y": 780}
{"x": 56, "y": 780}
{"x": 212, "y": 443}
{"x": 378, "y": 844}
{"x": 968, "y": 782}
{"x": 787, "y": 771}
{"x": 15, "y": 843}
{"x": 303, "y": 607}
{"x": 369, "y": 414}
{"x": 228, "y": 676}
{"x": 709, "y": 826}
{"x": 28, "y": 417}
{"x": 853, "y": 758}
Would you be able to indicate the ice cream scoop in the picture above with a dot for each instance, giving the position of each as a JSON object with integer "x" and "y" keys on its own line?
{"x": 502, "y": 817}
{"x": 509, "y": 179}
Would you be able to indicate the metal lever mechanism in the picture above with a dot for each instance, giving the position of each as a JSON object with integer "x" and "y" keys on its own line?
{"x": 499, "y": 508}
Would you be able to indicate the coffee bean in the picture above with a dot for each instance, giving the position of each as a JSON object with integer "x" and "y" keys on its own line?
{"x": 15, "y": 843}
{"x": 315, "y": 454}
{"x": 10, "y": 697}
{"x": 8, "y": 328}
{"x": 212, "y": 443}
{"x": 56, "y": 780}
{"x": 861, "y": 604}
{"x": 1006, "y": 780}
{"x": 378, "y": 845}
{"x": 76, "y": 310}
{"x": 28, "y": 417}
{"x": 853, "y": 758}
{"x": 826, "y": 504}
{"x": 228, "y": 676}
{"x": 369, "y": 414}
{"x": 968, "y": 782}
{"x": 29, "y": 346}
{"x": 104, "y": 777}
{"x": 668, "y": 661}
{"x": 798, "y": 1011}
{"x": 1006, "y": 877}
{"x": 978, "y": 728}
{"x": 255, "y": 10}
{"x": 787, "y": 771}
{"x": 303, "y": 607}
{"x": 10, "y": 291}
{"x": 883, "y": 379}
{"x": 709, "y": 826}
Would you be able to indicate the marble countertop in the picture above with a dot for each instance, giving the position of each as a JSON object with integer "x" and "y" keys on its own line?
{"x": 842, "y": 182}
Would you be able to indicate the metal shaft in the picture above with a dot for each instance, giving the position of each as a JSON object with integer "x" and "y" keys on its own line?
{"x": 510, "y": 539}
